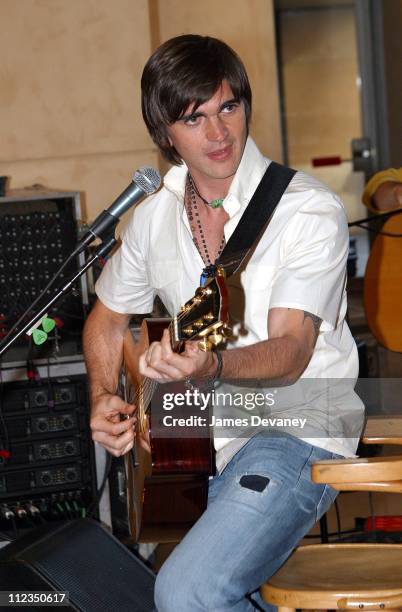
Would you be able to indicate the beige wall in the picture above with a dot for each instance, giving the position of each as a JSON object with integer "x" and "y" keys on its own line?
{"x": 319, "y": 59}
{"x": 69, "y": 94}
{"x": 70, "y": 85}
{"x": 321, "y": 97}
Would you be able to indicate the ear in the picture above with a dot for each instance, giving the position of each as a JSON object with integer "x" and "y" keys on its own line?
{"x": 169, "y": 139}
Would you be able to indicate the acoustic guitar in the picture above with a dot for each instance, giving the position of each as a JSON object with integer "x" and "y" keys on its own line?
{"x": 167, "y": 472}
{"x": 383, "y": 286}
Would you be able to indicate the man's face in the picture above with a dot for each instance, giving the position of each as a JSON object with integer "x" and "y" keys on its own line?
{"x": 211, "y": 140}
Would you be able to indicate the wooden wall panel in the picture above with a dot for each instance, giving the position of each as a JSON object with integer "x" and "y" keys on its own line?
{"x": 70, "y": 94}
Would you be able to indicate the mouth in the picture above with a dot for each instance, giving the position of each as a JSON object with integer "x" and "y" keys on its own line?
{"x": 221, "y": 154}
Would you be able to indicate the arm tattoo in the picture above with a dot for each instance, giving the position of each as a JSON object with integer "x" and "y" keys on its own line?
{"x": 316, "y": 321}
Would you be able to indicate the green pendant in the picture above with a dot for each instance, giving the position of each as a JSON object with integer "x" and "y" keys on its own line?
{"x": 216, "y": 203}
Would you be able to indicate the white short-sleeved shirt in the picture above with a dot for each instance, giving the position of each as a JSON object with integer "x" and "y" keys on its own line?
{"x": 299, "y": 262}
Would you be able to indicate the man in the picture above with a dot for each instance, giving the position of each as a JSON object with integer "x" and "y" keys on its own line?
{"x": 288, "y": 307}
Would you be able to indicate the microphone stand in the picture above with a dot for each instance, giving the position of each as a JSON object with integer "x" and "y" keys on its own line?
{"x": 103, "y": 249}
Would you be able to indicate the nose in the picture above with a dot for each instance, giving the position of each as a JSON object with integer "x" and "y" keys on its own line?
{"x": 216, "y": 129}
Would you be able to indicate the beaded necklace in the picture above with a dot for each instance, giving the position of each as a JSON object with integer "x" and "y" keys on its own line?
{"x": 194, "y": 215}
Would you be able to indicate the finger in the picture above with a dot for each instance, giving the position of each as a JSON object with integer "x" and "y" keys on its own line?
{"x": 102, "y": 424}
{"x": 128, "y": 409}
{"x": 119, "y": 428}
{"x": 154, "y": 353}
{"x": 120, "y": 442}
{"x": 154, "y": 363}
{"x": 144, "y": 359}
{"x": 127, "y": 448}
{"x": 111, "y": 405}
{"x": 175, "y": 359}
{"x": 116, "y": 443}
{"x": 163, "y": 358}
{"x": 145, "y": 369}
{"x": 166, "y": 345}
{"x": 159, "y": 352}
{"x": 182, "y": 363}
{"x": 142, "y": 364}
{"x": 110, "y": 450}
{"x": 191, "y": 348}
{"x": 164, "y": 373}
{"x": 118, "y": 453}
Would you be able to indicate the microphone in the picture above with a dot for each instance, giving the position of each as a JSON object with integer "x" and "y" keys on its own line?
{"x": 145, "y": 181}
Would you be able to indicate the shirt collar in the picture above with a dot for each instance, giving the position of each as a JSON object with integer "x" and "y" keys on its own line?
{"x": 249, "y": 173}
{"x": 175, "y": 180}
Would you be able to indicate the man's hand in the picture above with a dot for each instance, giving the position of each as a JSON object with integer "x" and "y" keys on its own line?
{"x": 388, "y": 196}
{"x": 162, "y": 364}
{"x": 115, "y": 435}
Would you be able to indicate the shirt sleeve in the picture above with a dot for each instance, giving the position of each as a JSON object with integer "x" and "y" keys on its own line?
{"x": 123, "y": 285}
{"x": 392, "y": 174}
{"x": 312, "y": 274}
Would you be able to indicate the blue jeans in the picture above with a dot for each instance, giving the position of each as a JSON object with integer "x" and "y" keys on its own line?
{"x": 259, "y": 508}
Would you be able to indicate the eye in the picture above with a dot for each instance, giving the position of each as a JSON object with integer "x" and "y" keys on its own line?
{"x": 192, "y": 119}
{"x": 230, "y": 107}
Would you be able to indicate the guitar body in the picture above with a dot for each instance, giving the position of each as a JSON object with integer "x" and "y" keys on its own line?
{"x": 383, "y": 287}
{"x": 167, "y": 488}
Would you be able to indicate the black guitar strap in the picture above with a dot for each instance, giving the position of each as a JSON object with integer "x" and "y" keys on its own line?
{"x": 255, "y": 217}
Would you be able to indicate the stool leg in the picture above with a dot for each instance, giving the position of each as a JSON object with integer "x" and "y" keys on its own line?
{"x": 324, "y": 529}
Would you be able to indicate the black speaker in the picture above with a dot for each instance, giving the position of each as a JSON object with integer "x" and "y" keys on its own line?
{"x": 81, "y": 557}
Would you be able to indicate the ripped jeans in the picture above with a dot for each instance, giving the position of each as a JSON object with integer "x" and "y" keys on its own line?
{"x": 259, "y": 508}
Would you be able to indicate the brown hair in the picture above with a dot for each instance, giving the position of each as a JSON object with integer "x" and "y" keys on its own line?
{"x": 188, "y": 70}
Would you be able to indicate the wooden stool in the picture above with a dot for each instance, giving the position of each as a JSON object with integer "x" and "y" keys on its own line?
{"x": 383, "y": 430}
{"x": 346, "y": 576}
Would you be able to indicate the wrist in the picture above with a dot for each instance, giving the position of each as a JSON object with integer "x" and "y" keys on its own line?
{"x": 212, "y": 365}
{"x": 214, "y": 368}
{"x": 210, "y": 375}
{"x": 219, "y": 365}
{"x": 96, "y": 395}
